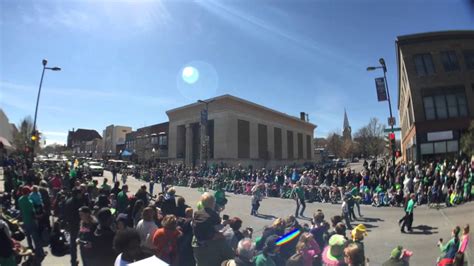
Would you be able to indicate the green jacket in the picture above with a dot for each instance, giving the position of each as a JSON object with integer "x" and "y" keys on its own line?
{"x": 27, "y": 210}
{"x": 262, "y": 260}
{"x": 122, "y": 201}
{"x": 298, "y": 191}
{"x": 410, "y": 206}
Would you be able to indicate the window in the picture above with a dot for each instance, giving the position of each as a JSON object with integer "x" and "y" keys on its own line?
{"x": 452, "y": 105}
{"x": 449, "y": 60}
{"x": 442, "y": 106}
{"x": 424, "y": 64}
{"x": 308, "y": 147}
{"x": 440, "y": 147}
{"x": 300, "y": 145}
{"x": 289, "y": 144}
{"x": 441, "y": 110}
{"x": 429, "y": 108}
{"x": 452, "y": 146}
{"x": 262, "y": 142}
{"x": 163, "y": 140}
{"x": 426, "y": 148}
{"x": 469, "y": 58}
{"x": 277, "y": 142}
{"x": 462, "y": 105}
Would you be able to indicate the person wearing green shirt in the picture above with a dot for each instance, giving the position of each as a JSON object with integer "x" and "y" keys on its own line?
{"x": 29, "y": 222}
{"x": 298, "y": 194}
{"x": 357, "y": 198}
{"x": 122, "y": 200}
{"x": 221, "y": 201}
{"x": 408, "y": 218}
{"x": 450, "y": 249}
{"x": 106, "y": 186}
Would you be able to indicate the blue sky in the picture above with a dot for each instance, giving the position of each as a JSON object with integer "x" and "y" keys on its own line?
{"x": 122, "y": 61}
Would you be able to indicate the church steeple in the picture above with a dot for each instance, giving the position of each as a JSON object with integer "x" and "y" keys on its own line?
{"x": 346, "y": 133}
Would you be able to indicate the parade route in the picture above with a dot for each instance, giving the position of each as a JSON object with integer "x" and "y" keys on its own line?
{"x": 382, "y": 223}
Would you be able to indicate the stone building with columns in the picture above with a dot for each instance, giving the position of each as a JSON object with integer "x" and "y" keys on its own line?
{"x": 239, "y": 132}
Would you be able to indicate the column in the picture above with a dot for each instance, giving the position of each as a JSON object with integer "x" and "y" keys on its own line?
{"x": 189, "y": 145}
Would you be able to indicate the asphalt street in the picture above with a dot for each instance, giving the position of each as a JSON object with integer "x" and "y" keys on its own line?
{"x": 382, "y": 223}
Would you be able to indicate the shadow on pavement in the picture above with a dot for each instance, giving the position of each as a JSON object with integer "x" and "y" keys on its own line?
{"x": 370, "y": 220}
{"x": 304, "y": 218}
{"x": 423, "y": 230}
{"x": 265, "y": 216}
{"x": 367, "y": 226}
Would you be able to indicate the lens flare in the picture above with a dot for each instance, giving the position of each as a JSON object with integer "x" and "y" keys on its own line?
{"x": 190, "y": 75}
{"x": 197, "y": 80}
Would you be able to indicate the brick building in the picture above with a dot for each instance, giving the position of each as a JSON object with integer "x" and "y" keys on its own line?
{"x": 84, "y": 141}
{"x": 435, "y": 92}
{"x": 149, "y": 142}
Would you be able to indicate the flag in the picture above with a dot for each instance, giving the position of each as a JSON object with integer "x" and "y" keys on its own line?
{"x": 381, "y": 91}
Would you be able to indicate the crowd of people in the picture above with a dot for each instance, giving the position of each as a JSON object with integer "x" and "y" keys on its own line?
{"x": 434, "y": 183}
{"x": 63, "y": 207}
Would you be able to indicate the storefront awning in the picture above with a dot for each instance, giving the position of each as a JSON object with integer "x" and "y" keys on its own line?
{"x": 6, "y": 144}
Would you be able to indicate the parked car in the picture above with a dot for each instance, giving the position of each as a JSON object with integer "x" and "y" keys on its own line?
{"x": 95, "y": 168}
{"x": 342, "y": 163}
{"x": 355, "y": 160}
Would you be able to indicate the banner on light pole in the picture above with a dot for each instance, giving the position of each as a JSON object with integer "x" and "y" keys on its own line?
{"x": 381, "y": 91}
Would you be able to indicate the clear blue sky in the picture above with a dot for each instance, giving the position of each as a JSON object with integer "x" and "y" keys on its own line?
{"x": 123, "y": 60}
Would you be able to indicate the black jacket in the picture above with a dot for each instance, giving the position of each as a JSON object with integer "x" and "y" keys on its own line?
{"x": 71, "y": 212}
{"x": 102, "y": 247}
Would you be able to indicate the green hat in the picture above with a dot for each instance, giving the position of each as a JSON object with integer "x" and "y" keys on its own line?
{"x": 396, "y": 252}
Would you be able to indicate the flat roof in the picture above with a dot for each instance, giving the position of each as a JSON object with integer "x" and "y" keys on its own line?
{"x": 435, "y": 35}
{"x": 228, "y": 96}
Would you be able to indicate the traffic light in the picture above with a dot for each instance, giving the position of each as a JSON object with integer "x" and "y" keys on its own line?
{"x": 387, "y": 143}
{"x": 391, "y": 137}
{"x": 35, "y": 136}
{"x": 398, "y": 154}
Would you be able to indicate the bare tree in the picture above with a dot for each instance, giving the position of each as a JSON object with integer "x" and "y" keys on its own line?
{"x": 22, "y": 137}
{"x": 347, "y": 148}
{"x": 334, "y": 144}
{"x": 370, "y": 138}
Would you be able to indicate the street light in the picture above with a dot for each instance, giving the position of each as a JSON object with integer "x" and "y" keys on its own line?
{"x": 392, "y": 121}
{"x": 45, "y": 62}
{"x": 204, "y": 134}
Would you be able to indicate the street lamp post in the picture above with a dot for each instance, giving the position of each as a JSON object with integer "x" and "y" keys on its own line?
{"x": 45, "y": 62}
{"x": 384, "y": 68}
{"x": 204, "y": 133}
{"x": 153, "y": 154}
